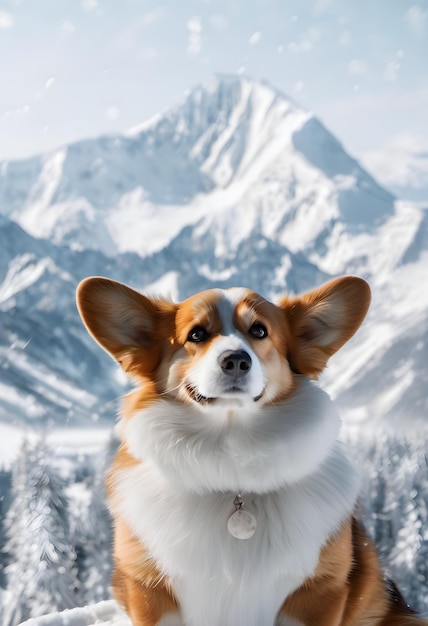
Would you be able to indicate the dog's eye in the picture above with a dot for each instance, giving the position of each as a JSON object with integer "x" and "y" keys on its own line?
{"x": 197, "y": 334}
{"x": 258, "y": 330}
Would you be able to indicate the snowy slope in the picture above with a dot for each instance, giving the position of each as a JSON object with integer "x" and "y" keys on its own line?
{"x": 236, "y": 185}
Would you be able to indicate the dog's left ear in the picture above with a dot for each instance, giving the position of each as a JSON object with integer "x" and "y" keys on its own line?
{"x": 322, "y": 320}
{"x": 134, "y": 329}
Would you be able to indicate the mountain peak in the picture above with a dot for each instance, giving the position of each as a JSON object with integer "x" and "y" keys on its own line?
{"x": 233, "y": 87}
{"x": 232, "y": 144}
{"x": 226, "y": 101}
{"x": 249, "y": 84}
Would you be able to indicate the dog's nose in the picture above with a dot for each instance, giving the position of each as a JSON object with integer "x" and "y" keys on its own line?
{"x": 235, "y": 363}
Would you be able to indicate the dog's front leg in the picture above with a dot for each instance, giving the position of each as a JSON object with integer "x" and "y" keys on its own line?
{"x": 328, "y": 611}
{"x": 145, "y": 606}
{"x": 139, "y": 586}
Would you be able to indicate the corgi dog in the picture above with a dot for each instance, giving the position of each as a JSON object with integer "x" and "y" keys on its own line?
{"x": 233, "y": 500}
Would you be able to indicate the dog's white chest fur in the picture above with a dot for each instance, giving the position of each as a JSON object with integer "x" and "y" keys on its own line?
{"x": 223, "y": 581}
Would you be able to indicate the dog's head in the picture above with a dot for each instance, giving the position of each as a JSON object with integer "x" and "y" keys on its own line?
{"x": 225, "y": 403}
{"x": 223, "y": 347}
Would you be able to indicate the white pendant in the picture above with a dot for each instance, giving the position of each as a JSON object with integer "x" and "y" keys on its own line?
{"x": 242, "y": 524}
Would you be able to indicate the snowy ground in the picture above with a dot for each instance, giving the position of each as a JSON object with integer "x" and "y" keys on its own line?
{"x": 105, "y": 613}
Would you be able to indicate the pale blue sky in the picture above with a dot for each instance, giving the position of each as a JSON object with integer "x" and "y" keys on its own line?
{"x": 71, "y": 69}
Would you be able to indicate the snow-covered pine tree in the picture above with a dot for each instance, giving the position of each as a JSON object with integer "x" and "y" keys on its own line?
{"x": 5, "y": 484}
{"x": 96, "y": 574}
{"x": 41, "y": 574}
{"x": 386, "y": 491}
{"x": 421, "y": 562}
{"x": 93, "y": 533}
{"x": 394, "y": 502}
{"x": 15, "y": 524}
{"x": 409, "y": 556}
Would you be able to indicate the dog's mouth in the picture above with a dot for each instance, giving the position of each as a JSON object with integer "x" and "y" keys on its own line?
{"x": 197, "y": 397}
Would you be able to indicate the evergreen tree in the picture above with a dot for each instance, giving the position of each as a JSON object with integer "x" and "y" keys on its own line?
{"x": 41, "y": 574}
{"x": 93, "y": 534}
{"x": 96, "y": 577}
{"x": 409, "y": 557}
{"x": 394, "y": 504}
{"x": 5, "y": 484}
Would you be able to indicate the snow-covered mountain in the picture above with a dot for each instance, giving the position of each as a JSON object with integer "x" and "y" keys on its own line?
{"x": 237, "y": 185}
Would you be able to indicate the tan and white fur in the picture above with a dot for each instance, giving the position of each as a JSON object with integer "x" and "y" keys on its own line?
{"x": 226, "y": 404}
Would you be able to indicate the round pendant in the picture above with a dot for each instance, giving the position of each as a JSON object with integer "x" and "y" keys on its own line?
{"x": 242, "y": 524}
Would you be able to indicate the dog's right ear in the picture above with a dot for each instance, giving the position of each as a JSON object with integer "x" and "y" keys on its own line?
{"x": 134, "y": 329}
{"x": 323, "y": 320}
